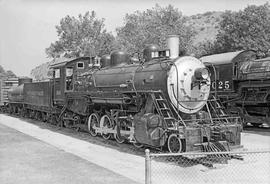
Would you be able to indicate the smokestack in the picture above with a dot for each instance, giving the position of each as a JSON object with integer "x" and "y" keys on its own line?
{"x": 173, "y": 45}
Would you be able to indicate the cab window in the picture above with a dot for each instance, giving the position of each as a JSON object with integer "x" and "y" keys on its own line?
{"x": 80, "y": 65}
{"x": 69, "y": 78}
{"x": 56, "y": 73}
{"x": 235, "y": 69}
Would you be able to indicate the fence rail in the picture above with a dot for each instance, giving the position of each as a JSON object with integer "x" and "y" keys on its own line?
{"x": 208, "y": 167}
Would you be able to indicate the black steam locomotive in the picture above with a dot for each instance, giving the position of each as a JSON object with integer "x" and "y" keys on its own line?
{"x": 161, "y": 101}
{"x": 242, "y": 82}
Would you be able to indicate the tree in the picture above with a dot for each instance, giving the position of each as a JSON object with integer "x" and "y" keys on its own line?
{"x": 247, "y": 29}
{"x": 82, "y": 36}
{"x": 4, "y": 74}
{"x": 153, "y": 26}
{"x": 206, "y": 47}
{"x": 10, "y": 73}
{"x": 42, "y": 72}
{"x": 2, "y": 69}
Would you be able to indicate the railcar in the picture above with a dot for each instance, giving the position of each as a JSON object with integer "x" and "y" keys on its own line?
{"x": 162, "y": 101}
{"x": 242, "y": 83}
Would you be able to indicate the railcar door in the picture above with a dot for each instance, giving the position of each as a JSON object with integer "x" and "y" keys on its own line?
{"x": 58, "y": 86}
{"x": 69, "y": 81}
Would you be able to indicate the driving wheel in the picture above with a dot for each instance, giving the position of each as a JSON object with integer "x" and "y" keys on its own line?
{"x": 174, "y": 144}
{"x": 93, "y": 121}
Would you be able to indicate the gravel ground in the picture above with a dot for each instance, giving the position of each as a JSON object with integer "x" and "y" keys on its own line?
{"x": 128, "y": 161}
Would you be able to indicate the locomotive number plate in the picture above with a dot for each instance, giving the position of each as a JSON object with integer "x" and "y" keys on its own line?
{"x": 221, "y": 85}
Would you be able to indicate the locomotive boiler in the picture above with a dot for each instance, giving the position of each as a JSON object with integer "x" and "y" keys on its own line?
{"x": 161, "y": 101}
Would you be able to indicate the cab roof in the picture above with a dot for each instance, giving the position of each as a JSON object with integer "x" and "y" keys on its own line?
{"x": 62, "y": 61}
{"x": 59, "y": 62}
{"x": 77, "y": 59}
{"x": 225, "y": 58}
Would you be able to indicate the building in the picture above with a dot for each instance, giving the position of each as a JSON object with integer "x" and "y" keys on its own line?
{"x": 5, "y": 85}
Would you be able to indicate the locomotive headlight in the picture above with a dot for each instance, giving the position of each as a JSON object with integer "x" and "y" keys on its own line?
{"x": 201, "y": 73}
{"x": 205, "y": 73}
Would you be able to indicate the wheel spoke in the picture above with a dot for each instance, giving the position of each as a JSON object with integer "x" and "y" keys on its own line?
{"x": 93, "y": 120}
{"x": 106, "y": 123}
{"x": 118, "y": 137}
{"x": 174, "y": 144}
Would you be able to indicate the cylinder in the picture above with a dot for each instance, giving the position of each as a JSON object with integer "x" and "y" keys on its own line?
{"x": 173, "y": 45}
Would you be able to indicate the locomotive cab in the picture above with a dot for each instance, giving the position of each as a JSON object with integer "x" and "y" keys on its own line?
{"x": 64, "y": 72}
{"x": 76, "y": 70}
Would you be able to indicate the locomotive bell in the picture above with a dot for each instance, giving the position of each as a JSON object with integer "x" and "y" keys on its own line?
{"x": 173, "y": 45}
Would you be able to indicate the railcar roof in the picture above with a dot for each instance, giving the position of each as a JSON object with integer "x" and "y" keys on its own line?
{"x": 58, "y": 62}
{"x": 223, "y": 58}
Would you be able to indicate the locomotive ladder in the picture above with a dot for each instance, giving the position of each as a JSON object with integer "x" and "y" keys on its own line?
{"x": 217, "y": 108}
{"x": 163, "y": 108}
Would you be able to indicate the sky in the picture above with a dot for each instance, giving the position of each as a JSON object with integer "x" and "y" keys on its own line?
{"x": 27, "y": 27}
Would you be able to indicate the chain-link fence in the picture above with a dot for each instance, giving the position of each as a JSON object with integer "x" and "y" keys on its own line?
{"x": 212, "y": 167}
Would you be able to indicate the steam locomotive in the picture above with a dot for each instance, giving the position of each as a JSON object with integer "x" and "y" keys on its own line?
{"x": 161, "y": 101}
{"x": 242, "y": 82}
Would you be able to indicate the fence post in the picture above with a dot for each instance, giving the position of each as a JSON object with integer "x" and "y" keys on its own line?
{"x": 147, "y": 167}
